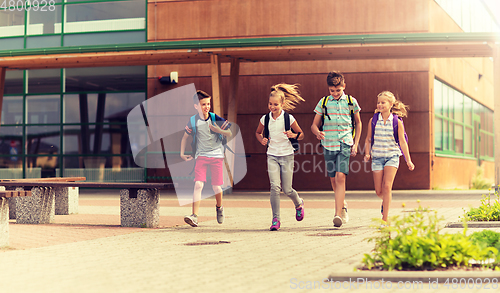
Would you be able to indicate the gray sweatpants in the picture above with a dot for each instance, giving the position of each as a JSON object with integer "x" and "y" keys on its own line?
{"x": 280, "y": 170}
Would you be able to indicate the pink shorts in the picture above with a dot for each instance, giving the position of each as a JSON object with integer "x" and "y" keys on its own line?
{"x": 215, "y": 164}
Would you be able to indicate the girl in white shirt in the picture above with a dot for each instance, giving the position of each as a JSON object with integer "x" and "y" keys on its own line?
{"x": 280, "y": 152}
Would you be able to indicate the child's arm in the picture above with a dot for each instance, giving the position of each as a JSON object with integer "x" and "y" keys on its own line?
{"x": 296, "y": 129}
{"x": 315, "y": 127}
{"x": 404, "y": 145}
{"x": 368, "y": 141}
{"x": 357, "y": 134}
{"x": 217, "y": 129}
{"x": 183, "y": 148}
{"x": 258, "y": 134}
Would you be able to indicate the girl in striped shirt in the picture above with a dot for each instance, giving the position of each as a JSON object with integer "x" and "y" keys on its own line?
{"x": 384, "y": 151}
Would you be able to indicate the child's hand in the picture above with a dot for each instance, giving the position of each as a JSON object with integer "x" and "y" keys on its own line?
{"x": 321, "y": 135}
{"x": 366, "y": 158}
{"x": 290, "y": 134}
{"x": 264, "y": 141}
{"x": 186, "y": 157}
{"x": 215, "y": 128}
{"x": 411, "y": 166}
{"x": 354, "y": 150}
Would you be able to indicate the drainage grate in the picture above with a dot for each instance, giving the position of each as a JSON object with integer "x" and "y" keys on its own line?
{"x": 206, "y": 243}
{"x": 329, "y": 234}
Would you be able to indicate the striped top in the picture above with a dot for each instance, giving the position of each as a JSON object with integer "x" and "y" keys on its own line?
{"x": 384, "y": 144}
{"x": 339, "y": 127}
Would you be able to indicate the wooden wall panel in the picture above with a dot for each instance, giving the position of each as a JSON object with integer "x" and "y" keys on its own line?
{"x": 180, "y": 20}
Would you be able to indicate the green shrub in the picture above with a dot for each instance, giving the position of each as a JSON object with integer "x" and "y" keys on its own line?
{"x": 487, "y": 211}
{"x": 413, "y": 242}
{"x": 486, "y": 238}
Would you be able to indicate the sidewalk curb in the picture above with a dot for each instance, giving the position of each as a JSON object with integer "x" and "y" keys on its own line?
{"x": 485, "y": 224}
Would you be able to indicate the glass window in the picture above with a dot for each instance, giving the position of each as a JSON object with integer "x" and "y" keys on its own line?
{"x": 44, "y": 22}
{"x": 459, "y": 143}
{"x": 126, "y": 78}
{"x": 12, "y": 110}
{"x": 11, "y": 43}
{"x": 468, "y": 139}
{"x": 43, "y": 109}
{"x": 14, "y": 81}
{"x": 44, "y": 81}
{"x": 117, "y": 106}
{"x": 105, "y": 38}
{"x": 438, "y": 133}
{"x": 458, "y": 106}
{"x": 105, "y": 16}
{"x": 467, "y": 110}
{"x": 11, "y": 23}
{"x": 43, "y": 42}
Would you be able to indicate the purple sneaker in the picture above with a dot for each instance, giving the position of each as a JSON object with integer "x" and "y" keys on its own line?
{"x": 276, "y": 225}
{"x": 299, "y": 212}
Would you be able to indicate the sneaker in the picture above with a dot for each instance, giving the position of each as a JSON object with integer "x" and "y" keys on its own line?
{"x": 337, "y": 221}
{"x": 344, "y": 215}
{"x": 276, "y": 225}
{"x": 220, "y": 214}
{"x": 191, "y": 220}
{"x": 299, "y": 212}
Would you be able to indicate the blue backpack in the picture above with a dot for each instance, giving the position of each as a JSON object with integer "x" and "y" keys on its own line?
{"x": 395, "y": 126}
{"x": 220, "y": 137}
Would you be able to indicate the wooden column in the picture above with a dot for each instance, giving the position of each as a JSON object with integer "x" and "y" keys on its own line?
{"x": 232, "y": 108}
{"x": 217, "y": 100}
{"x": 3, "y": 71}
{"x": 496, "y": 103}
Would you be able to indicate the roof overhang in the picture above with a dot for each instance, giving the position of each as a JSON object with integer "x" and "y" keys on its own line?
{"x": 339, "y": 47}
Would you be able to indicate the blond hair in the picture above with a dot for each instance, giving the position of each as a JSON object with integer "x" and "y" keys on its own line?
{"x": 288, "y": 95}
{"x": 398, "y": 107}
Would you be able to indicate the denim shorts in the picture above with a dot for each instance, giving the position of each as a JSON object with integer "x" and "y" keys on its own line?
{"x": 378, "y": 164}
{"x": 337, "y": 161}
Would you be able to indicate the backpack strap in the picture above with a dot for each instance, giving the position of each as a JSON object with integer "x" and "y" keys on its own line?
{"x": 266, "y": 125}
{"x": 374, "y": 123}
{"x": 351, "y": 111}
{"x": 287, "y": 121}
{"x": 324, "y": 111}
{"x": 395, "y": 126}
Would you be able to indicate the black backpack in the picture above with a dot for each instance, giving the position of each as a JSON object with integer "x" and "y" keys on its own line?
{"x": 325, "y": 113}
{"x": 294, "y": 141}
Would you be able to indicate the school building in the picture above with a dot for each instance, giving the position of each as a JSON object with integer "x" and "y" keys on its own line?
{"x": 71, "y": 71}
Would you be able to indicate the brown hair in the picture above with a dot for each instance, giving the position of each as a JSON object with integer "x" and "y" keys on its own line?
{"x": 398, "y": 107}
{"x": 200, "y": 95}
{"x": 288, "y": 94}
{"x": 335, "y": 78}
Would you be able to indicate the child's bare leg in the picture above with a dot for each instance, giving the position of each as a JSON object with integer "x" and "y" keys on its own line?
{"x": 377, "y": 180}
{"x": 388, "y": 180}
{"x": 333, "y": 183}
{"x": 198, "y": 187}
{"x": 339, "y": 192}
{"x": 218, "y": 195}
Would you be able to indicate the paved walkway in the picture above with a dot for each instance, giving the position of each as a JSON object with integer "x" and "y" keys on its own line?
{"x": 90, "y": 252}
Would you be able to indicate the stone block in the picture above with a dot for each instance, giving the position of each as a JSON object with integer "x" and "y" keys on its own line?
{"x": 4, "y": 220}
{"x": 39, "y": 208}
{"x": 66, "y": 201}
{"x": 12, "y": 202}
{"x": 140, "y": 211}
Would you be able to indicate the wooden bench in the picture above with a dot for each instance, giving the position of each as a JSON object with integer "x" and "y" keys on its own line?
{"x": 4, "y": 212}
{"x": 139, "y": 202}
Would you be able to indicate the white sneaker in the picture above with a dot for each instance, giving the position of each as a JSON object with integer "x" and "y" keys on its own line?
{"x": 337, "y": 221}
{"x": 344, "y": 215}
{"x": 191, "y": 220}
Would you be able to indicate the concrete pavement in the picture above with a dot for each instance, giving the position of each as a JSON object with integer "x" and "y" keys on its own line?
{"x": 89, "y": 252}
